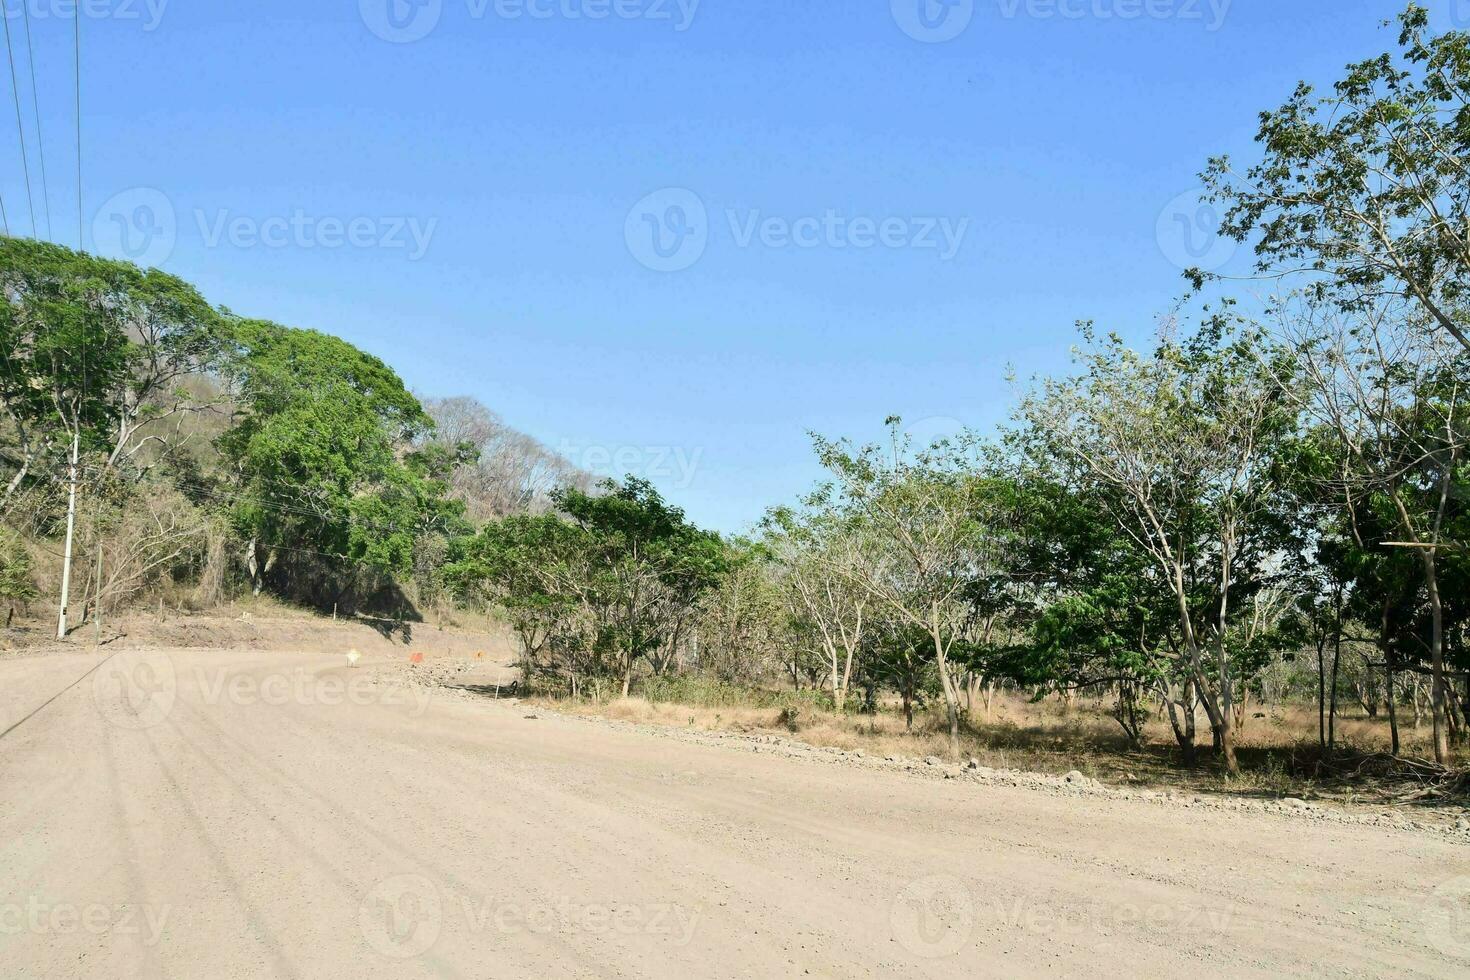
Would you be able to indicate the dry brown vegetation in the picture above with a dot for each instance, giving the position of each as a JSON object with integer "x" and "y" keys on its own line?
{"x": 1279, "y": 754}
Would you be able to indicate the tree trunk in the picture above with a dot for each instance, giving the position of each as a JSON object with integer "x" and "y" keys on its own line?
{"x": 951, "y": 699}
{"x": 1332, "y": 694}
{"x": 1222, "y": 655}
{"x": 1440, "y": 690}
{"x": 15, "y": 482}
{"x": 1393, "y": 715}
{"x": 1181, "y": 720}
{"x": 847, "y": 676}
{"x": 1126, "y": 711}
{"x": 1322, "y": 694}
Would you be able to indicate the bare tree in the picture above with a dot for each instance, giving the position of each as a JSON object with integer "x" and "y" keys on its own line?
{"x": 819, "y": 561}
{"x": 924, "y": 533}
{"x": 1387, "y": 386}
{"x": 513, "y": 473}
{"x": 1181, "y": 442}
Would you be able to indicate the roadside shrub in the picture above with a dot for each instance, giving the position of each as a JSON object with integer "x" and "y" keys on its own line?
{"x": 16, "y": 582}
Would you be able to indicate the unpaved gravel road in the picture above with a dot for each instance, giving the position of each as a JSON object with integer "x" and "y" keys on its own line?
{"x": 244, "y": 814}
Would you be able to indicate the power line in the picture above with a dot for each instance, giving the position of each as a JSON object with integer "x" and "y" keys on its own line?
{"x": 25, "y": 156}
{"x": 36, "y": 105}
{"x": 81, "y": 214}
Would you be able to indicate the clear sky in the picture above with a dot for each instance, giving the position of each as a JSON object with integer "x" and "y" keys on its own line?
{"x": 672, "y": 237}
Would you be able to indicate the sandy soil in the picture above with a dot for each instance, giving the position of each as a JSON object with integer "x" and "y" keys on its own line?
{"x": 241, "y": 813}
{"x": 262, "y": 626}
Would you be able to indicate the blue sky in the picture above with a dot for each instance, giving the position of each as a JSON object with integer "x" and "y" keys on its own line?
{"x": 855, "y": 218}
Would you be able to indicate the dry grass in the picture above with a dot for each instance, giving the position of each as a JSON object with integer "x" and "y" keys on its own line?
{"x": 1278, "y": 753}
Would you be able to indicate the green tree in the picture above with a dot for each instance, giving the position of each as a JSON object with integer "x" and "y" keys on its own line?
{"x": 927, "y": 531}
{"x": 94, "y": 352}
{"x": 1365, "y": 189}
{"x": 530, "y": 568}
{"x": 649, "y": 568}
{"x": 1101, "y": 616}
{"x": 1386, "y": 397}
{"x": 1182, "y": 446}
{"x": 317, "y": 455}
{"x": 819, "y": 553}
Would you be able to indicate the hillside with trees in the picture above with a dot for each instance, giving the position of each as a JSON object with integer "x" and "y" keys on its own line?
{"x": 1267, "y": 508}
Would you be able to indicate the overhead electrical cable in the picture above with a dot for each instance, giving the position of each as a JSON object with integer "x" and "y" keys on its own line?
{"x": 81, "y": 215}
{"x": 25, "y": 156}
{"x": 40, "y": 133}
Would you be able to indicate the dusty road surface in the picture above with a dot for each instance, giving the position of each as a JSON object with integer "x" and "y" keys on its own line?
{"x": 240, "y": 814}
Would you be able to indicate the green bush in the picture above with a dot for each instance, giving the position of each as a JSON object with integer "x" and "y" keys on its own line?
{"x": 16, "y": 584}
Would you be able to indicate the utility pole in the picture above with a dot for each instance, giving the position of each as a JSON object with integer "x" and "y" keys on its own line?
{"x": 71, "y": 527}
{"x": 97, "y": 590}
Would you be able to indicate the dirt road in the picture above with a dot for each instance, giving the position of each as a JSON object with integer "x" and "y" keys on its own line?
{"x": 239, "y": 814}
